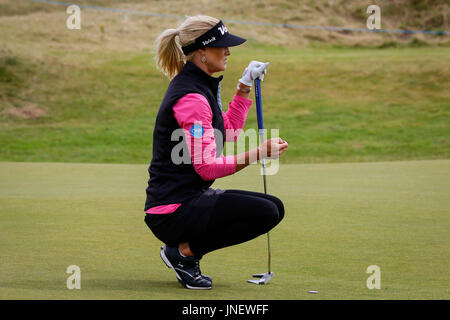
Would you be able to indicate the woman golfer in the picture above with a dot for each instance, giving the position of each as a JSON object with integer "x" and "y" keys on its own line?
{"x": 182, "y": 210}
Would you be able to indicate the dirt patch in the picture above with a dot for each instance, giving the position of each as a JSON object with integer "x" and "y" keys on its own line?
{"x": 303, "y": 112}
{"x": 27, "y": 110}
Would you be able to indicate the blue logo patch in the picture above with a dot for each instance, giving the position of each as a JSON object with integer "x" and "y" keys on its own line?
{"x": 197, "y": 130}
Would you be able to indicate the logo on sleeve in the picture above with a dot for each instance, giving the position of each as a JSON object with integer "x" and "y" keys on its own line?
{"x": 197, "y": 130}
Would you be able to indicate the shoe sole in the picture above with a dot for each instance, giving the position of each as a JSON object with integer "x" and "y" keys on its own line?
{"x": 169, "y": 265}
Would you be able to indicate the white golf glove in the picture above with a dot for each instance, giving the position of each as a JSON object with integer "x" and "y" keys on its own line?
{"x": 254, "y": 70}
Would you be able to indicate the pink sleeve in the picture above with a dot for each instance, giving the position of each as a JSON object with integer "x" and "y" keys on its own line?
{"x": 164, "y": 209}
{"x": 194, "y": 116}
{"x": 234, "y": 118}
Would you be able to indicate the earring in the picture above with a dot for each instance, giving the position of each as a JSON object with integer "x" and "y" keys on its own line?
{"x": 204, "y": 59}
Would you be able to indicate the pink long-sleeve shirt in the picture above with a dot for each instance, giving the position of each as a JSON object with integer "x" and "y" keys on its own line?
{"x": 192, "y": 112}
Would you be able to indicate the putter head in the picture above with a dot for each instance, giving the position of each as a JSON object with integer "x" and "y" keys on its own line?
{"x": 263, "y": 278}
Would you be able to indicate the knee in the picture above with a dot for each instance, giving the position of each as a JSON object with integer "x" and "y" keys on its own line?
{"x": 279, "y": 206}
{"x": 273, "y": 216}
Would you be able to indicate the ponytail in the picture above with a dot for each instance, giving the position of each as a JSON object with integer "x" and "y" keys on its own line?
{"x": 170, "y": 58}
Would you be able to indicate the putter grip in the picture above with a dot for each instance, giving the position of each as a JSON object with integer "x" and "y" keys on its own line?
{"x": 259, "y": 113}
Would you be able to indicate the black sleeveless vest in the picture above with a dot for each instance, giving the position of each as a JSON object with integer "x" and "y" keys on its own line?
{"x": 176, "y": 183}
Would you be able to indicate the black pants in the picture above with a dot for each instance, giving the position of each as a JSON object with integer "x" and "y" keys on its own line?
{"x": 238, "y": 216}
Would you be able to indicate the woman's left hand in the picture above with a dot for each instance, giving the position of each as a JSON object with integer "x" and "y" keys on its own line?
{"x": 254, "y": 70}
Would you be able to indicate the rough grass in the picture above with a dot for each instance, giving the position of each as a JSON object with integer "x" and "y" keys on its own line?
{"x": 396, "y": 14}
{"x": 329, "y": 104}
{"x": 91, "y": 95}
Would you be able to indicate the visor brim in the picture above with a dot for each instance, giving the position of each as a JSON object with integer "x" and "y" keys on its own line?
{"x": 228, "y": 41}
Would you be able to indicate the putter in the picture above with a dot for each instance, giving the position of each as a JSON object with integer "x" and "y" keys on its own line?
{"x": 262, "y": 278}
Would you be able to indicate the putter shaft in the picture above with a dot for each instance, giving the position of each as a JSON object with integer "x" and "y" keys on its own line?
{"x": 265, "y": 277}
{"x": 263, "y": 163}
{"x": 263, "y": 160}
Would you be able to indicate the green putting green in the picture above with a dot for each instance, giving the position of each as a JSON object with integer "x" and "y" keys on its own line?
{"x": 340, "y": 219}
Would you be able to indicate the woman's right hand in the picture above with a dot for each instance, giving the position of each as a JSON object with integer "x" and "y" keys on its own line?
{"x": 272, "y": 148}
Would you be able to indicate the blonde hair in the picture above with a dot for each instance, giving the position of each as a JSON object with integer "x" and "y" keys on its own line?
{"x": 170, "y": 58}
